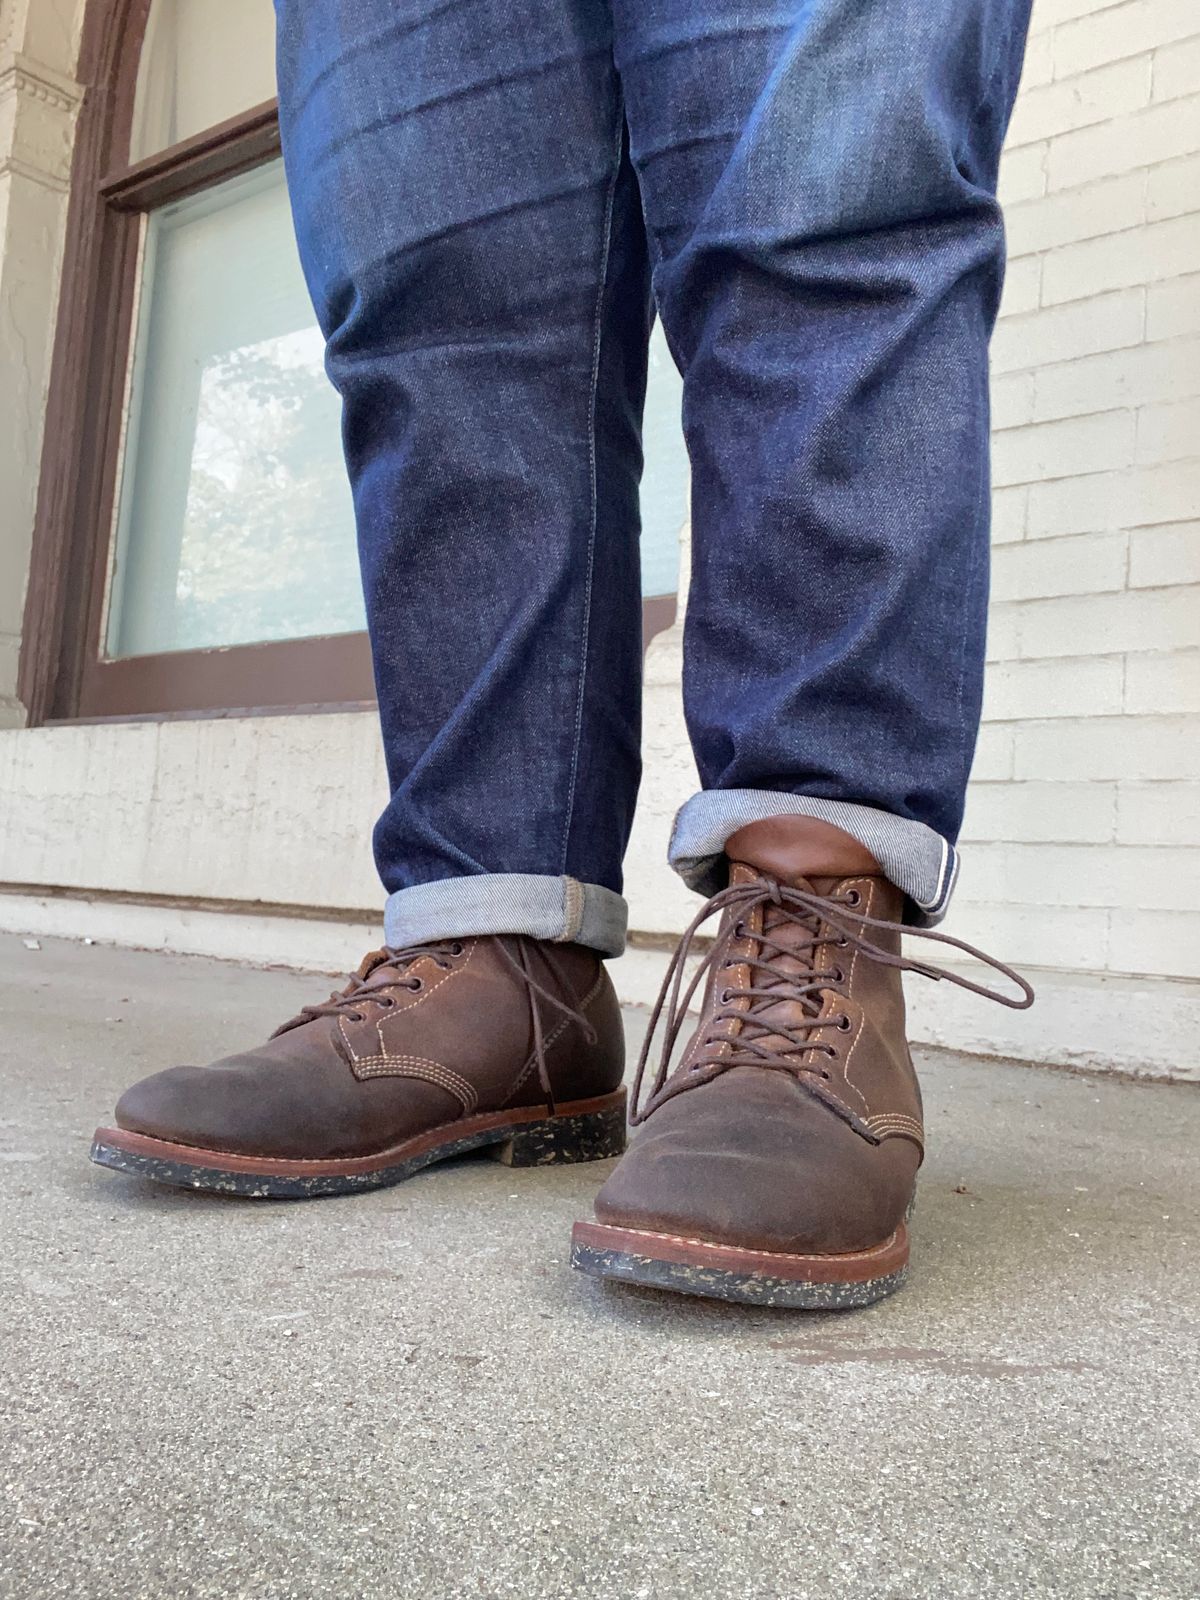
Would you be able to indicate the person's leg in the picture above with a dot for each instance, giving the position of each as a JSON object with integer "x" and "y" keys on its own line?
{"x": 819, "y": 182}
{"x": 469, "y": 227}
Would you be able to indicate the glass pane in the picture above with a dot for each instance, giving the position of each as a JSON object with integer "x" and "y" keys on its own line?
{"x": 665, "y": 480}
{"x": 202, "y": 61}
{"x": 235, "y": 521}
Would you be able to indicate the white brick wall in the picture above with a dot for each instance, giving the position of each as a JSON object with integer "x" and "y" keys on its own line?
{"x": 1083, "y": 826}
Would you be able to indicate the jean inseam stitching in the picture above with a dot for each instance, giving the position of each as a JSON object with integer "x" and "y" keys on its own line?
{"x": 597, "y": 339}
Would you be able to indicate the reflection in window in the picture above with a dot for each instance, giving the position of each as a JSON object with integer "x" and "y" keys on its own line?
{"x": 665, "y": 480}
{"x": 235, "y": 520}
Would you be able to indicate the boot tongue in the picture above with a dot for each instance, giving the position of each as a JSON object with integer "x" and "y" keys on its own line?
{"x": 807, "y": 854}
{"x": 376, "y": 970}
{"x": 792, "y": 959}
{"x": 794, "y": 848}
{"x": 370, "y": 963}
{"x": 380, "y": 968}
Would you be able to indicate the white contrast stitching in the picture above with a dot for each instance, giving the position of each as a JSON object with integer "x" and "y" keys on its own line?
{"x": 862, "y": 1015}
{"x": 553, "y": 1037}
{"x": 744, "y": 1250}
{"x": 404, "y": 1007}
{"x": 597, "y": 338}
{"x": 386, "y": 1066}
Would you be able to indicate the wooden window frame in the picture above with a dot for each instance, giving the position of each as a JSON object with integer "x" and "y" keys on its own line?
{"x": 63, "y": 673}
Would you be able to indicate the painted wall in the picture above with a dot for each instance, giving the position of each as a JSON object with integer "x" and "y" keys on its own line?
{"x": 1083, "y": 828}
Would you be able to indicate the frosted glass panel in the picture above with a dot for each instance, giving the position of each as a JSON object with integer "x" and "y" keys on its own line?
{"x": 665, "y": 481}
{"x": 202, "y": 61}
{"x": 235, "y": 520}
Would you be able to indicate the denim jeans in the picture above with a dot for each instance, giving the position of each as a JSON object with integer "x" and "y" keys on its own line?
{"x": 492, "y": 198}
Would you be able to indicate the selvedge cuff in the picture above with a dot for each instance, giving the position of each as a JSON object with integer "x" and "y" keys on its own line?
{"x": 562, "y": 909}
{"x": 914, "y": 857}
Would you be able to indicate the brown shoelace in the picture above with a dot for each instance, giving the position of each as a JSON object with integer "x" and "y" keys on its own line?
{"x": 801, "y": 1054}
{"x": 360, "y": 991}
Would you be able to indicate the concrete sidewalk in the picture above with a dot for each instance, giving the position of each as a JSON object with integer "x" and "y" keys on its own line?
{"x": 408, "y": 1393}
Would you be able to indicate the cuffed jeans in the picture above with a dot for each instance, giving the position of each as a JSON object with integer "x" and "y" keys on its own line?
{"x": 491, "y": 199}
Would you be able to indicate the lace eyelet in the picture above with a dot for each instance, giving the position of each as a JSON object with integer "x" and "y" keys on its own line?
{"x": 456, "y": 949}
{"x": 357, "y": 1016}
{"x": 843, "y": 1023}
{"x": 838, "y": 975}
{"x": 385, "y": 1001}
{"x": 853, "y": 898}
{"x": 726, "y": 997}
{"x": 739, "y": 930}
{"x": 416, "y": 984}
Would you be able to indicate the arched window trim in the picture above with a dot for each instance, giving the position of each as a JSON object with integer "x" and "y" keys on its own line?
{"x": 64, "y": 674}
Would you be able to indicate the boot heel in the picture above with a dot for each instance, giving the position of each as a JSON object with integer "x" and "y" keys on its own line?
{"x": 584, "y": 1136}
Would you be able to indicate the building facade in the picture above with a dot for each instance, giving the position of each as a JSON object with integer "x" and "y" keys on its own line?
{"x": 188, "y": 755}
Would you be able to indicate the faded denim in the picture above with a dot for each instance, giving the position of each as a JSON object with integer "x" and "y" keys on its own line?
{"x": 490, "y": 196}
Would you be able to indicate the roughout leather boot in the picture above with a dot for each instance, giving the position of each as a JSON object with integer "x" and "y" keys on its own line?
{"x": 504, "y": 1042}
{"x": 778, "y": 1161}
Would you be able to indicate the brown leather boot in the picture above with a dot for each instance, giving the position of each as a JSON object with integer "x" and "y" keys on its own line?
{"x": 780, "y": 1157}
{"x": 504, "y": 1042}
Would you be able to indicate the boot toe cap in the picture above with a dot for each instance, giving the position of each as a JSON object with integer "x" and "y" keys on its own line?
{"x": 167, "y": 1105}
{"x": 224, "y": 1108}
{"x": 775, "y": 1171}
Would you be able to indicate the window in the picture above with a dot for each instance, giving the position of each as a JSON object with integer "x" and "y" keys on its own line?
{"x": 195, "y": 531}
{"x": 201, "y": 62}
{"x": 234, "y": 518}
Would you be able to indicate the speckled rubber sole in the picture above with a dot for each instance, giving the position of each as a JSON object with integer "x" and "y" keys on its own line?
{"x": 584, "y": 1130}
{"x": 752, "y": 1277}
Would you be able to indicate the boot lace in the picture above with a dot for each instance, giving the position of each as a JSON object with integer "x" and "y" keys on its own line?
{"x": 769, "y": 1042}
{"x": 352, "y": 1001}
{"x": 361, "y": 992}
